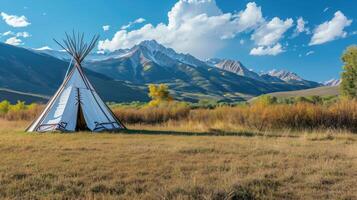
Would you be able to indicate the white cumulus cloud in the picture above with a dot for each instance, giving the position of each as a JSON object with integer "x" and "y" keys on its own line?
{"x": 301, "y": 27}
{"x": 250, "y": 17}
{"x": 268, "y": 35}
{"x": 331, "y": 30}
{"x": 23, "y": 34}
{"x": 18, "y": 34}
{"x": 14, "y": 38}
{"x": 7, "y": 33}
{"x": 14, "y": 20}
{"x": 197, "y": 27}
{"x": 267, "y": 50}
{"x": 271, "y": 32}
{"x": 14, "y": 41}
{"x": 106, "y": 28}
{"x": 137, "y": 21}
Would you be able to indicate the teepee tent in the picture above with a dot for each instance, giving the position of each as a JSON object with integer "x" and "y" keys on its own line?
{"x": 76, "y": 106}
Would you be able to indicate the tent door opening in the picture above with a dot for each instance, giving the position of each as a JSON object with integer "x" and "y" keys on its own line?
{"x": 81, "y": 124}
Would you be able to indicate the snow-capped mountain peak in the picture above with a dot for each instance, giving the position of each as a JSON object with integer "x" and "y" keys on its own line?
{"x": 285, "y": 75}
{"x": 332, "y": 82}
{"x": 155, "y": 48}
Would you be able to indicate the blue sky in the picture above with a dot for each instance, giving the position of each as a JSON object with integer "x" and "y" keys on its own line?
{"x": 306, "y": 38}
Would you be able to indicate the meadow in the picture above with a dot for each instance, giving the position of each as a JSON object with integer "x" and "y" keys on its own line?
{"x": 302, "y": 150}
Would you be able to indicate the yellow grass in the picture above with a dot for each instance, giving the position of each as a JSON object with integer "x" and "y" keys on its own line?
{"x": 175, "y": 166}
{"x": 341, "y": 115}
{"x": 260, "y": 116}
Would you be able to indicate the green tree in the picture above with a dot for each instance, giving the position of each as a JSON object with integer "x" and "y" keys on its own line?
{"x": 159, "y": 94}
{"x": 348, "y": 85}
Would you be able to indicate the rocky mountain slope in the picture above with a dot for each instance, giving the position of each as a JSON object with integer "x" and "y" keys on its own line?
{"x": 234, "y": 67}
{"x": 291, "y": 77}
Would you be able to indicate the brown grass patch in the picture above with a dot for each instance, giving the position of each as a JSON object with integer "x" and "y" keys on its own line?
{"x": 137, "y": 166}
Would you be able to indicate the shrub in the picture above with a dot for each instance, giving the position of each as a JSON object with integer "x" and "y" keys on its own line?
{"x": 266, "y": 100}
{"x": 153, "y": 115}
{"x": 19, "y": 111}
{"x": 4, "y": 107}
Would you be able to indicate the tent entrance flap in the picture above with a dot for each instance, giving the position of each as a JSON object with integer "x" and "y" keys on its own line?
{"x": 81, "y": 122}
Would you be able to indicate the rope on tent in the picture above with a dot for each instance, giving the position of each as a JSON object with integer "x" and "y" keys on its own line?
{"x": 69, "y": 66}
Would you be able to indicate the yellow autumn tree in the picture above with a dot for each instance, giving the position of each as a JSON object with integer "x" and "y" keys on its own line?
{"x": 19, "y": 106}
{"x": 159, "y": 94}
{"x": 4, "y": 106}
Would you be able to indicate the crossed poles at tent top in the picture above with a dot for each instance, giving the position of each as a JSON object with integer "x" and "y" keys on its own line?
{"x": 76, "y": 47}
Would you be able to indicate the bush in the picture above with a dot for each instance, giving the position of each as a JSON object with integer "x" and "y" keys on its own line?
{"x": 266, "y": 100}
{"x": 4, "y": 107}
{"x": 19, "y": 111}
{"x": 152, "y": 115}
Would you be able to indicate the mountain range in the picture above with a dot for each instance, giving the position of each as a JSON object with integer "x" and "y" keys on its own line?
{"x": 123, "y": 75}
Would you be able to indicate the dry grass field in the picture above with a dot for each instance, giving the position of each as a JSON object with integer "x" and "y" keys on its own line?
{"x": 149, "y": 165}
{"x": 320, "y": 91}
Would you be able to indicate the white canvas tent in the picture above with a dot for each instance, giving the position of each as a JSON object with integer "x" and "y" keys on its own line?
{"x": 76, "y": 106}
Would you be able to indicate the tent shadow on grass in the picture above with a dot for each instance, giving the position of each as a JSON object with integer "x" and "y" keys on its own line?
{"x": 212, "y": 132}
{"x": 183, "y": 133}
